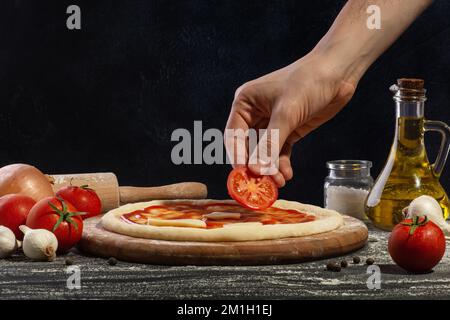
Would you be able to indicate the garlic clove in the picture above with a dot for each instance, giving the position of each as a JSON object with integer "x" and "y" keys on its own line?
{"x": 405, "y": 212}
{"x": 8, "y": 244}
{"x": 39, "y": 244}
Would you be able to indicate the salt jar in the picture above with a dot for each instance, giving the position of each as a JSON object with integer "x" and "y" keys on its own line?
{"x": 347, "y": 185}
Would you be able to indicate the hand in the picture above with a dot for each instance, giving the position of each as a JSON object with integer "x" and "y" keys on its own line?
{"x": 300, "y": 97}
{"x": 296, "y": 100}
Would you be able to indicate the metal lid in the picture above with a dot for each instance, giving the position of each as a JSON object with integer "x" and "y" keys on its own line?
{"x": 349, "y": 164}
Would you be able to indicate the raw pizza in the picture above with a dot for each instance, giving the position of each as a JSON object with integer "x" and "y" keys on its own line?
{"x": 219, "y": 220}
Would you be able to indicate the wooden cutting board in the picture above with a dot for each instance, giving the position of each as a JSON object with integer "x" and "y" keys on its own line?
{"x": 100, "y": 242}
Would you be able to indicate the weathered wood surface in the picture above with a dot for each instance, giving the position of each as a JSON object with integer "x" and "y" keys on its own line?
{"x": 22, "y": 279}
{"x": 100, "y": 242}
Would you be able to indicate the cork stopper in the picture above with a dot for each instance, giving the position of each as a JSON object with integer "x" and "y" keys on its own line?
{"x": 409, "y": 89}
{"x": 410, "y": 83}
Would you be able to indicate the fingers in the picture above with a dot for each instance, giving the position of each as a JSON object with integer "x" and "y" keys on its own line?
{"x": 265, "y": 159}
{"x": 285, "y": 162}
{"x": 279, "y": 180}
{"x": 235, "y": 139}
{"x": 265, "y": 152}
{"x": 285, "y": 172}
{"x": 237, "y": 147}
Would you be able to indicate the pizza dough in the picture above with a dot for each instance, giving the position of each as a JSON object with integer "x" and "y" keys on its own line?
{"x": 325, "y": 220}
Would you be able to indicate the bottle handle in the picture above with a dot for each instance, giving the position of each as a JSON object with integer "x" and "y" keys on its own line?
{"x": 444, "y": 130}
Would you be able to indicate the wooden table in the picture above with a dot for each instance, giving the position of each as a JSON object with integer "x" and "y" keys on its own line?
{"x": 22, "y": 279}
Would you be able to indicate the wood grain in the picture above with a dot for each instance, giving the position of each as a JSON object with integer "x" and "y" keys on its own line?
{"x": 112, "y": 195}
{"x": 182, "y": 190}
{"x": 100, "y": 242}
{"x": 104, "y": 183}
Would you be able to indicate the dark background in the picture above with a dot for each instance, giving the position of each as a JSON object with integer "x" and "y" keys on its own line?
{"x": 107, "y": 97}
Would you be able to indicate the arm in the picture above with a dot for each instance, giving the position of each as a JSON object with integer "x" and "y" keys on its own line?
{"x": 351, "y": 42}
{"x": 302, "y": 96}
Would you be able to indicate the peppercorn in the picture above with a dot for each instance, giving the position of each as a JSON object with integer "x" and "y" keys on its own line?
{"x": 337, "y": 268}
{"x": 370, "y": 261}
{"x": 69, "y": 261}
{"x": 332, "y": 266}
{"x": 112, "y": 261}
{"x": 356, "y": 260}
{"x": 344, "y": 264}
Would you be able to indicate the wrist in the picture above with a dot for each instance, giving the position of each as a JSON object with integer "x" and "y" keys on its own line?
{"x": 345, "y": 63}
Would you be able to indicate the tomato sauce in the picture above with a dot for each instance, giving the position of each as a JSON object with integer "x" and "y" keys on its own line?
{"x": 182, "y": 210}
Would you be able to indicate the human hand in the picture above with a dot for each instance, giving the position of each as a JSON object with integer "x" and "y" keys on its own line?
{"x": 295, "y": 100}
{"x": 302, "y": 96}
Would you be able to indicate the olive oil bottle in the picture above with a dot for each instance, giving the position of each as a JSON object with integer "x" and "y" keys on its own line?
{"x": 407, "y": 173}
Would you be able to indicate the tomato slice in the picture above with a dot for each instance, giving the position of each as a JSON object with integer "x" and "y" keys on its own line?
{"x": 250, "y": 190}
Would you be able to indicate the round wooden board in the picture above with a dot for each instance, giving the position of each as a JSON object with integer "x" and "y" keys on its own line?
{"x": 100, "y": 242}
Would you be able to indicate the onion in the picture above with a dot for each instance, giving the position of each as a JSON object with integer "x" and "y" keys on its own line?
{"x": 24, "y": 179}
{"x": 427, "y": 206}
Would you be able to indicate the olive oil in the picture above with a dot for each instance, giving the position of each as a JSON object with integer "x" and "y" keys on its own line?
{"x": 407, "y": 173}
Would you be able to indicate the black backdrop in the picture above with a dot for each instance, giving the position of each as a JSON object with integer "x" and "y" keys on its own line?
{"x": 107, "y": 97}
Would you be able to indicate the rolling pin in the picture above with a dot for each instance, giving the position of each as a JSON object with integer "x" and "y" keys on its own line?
{"x": 112, "y": 195}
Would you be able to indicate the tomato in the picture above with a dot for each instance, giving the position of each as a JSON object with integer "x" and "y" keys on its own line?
{"x": 250, "y": 190}
{"x": 417, "y": 245}
{"x": 83, "y": 198}
{"x": 59, "y": 216}
{"x": 14, "y": 209}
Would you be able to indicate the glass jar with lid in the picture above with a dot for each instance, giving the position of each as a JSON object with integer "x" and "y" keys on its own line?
{"x": 347, "y": 185}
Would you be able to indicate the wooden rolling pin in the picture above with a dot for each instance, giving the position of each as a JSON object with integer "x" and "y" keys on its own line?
{"x": 112, "y": 195}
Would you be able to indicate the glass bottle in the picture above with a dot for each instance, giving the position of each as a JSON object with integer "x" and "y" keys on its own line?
{"x": 407, "y": 173}
{"x": 347, "y": 185}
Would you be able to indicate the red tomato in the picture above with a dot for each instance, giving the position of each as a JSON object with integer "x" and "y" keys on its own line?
{"x": 14, "y": 209}
{"x": 60, "y": 217}
{"x": 251, "y": 191}
{"x": 83, "y": 198}
{"x": 417, "y": 245}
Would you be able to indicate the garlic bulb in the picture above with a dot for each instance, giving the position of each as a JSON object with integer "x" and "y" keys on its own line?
{"x": 8, "y": 243}
{"x": 427, "y": 206}
{"x": 39, "y": 244}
